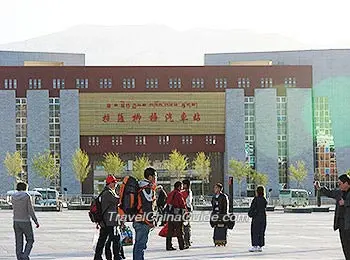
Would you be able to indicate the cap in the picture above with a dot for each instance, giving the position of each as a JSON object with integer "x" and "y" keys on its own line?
{"x": 110, "y": 179}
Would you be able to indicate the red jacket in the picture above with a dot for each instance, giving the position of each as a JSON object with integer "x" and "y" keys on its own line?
{"x": 175, "y": 198}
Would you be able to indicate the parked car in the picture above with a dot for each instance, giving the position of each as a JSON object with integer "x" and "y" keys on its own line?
{"x": 50, "y": 197}
{"x": 36, "y": 197}
{"x": 294, "y": 197}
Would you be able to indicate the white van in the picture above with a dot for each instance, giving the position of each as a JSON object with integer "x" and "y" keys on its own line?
{"x": 294, "y": 197}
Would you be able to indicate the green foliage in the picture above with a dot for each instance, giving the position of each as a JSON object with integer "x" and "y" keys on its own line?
{"x": 81, "y": 167}
{"x": 45, "y": 166}
{"x": 259, "y": 178}
{"x": 201, "y": 165}
{"x": 238, "y": 170}
{"x": 298, "y": 173}
{"x": 112, "y": 164}
{"x": 14, "y": 164}
{"x": 139, "y": 166}
{"x": 177, "y": 164}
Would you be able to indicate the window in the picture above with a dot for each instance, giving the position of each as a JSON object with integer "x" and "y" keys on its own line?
{"x": 58, "y": 83}
{"x": 163, "y": 139}
{"x": 34, "y": 83}
{"x": 129, "y": 83}
{"x": 140, "y": 140}
{"x": 106, "y": 83}
{"x": 10, "y": 83}
{"x": 93, "y": 141}
{"x": 197, "y": 83}
{"x": 186, "y": 139}
{"x": 174, "y": 83}
{"x": 210, "y": 139}
{"x": 266, "y": 82}
{"x": 82, "y": 83}
{"x": 152, "y": 83}
{"x": 243, "y": 83}
{"x": 117, "y": 140}
{"x": 221, "y": 83}
{"x": 290, "y": 82}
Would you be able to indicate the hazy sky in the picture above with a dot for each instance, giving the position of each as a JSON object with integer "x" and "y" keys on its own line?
{"x": 309, "y": 21}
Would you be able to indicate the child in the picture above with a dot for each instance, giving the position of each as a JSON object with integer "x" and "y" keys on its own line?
{"x": 257, "y": 212}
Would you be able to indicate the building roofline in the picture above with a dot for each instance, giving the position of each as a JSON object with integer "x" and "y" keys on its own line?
{"x": 43, "y": 52}
{"x": 303, "y": 50}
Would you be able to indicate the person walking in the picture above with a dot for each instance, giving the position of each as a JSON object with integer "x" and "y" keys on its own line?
{"x": 220, "y": 205}
{"x": 257, "y": 212}
{"x": 342, "y": 209}
{"x": 161, "y": 202}
{"x": 188, "y": 197}
{"x": 146, "y": 211}
{"x": 175, "y": 221}
{"x": 109, "y": 202}
{"x": 23, "y": 212}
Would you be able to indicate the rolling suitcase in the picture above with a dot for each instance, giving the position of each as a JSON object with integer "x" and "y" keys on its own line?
{"x": 220, "y": 235}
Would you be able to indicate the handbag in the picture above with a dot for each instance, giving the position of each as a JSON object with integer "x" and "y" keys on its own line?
{"x": 126, "y": 236}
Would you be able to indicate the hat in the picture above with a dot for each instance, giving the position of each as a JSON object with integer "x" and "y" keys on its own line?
{"x": 344, "y": 178}
{"x": 110, "y": 179}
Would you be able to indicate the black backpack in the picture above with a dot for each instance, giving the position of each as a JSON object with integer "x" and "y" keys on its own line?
{"x": 95, "y": 212}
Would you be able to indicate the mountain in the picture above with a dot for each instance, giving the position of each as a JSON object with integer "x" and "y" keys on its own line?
{"x": 151, "y": 44}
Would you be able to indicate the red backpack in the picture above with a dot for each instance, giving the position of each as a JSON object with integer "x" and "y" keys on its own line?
{"x": 95, "y": 212}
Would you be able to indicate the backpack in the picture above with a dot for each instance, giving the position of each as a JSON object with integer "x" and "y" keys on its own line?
{"x": 95, "y": 212}
{"x": 128, "y": 197}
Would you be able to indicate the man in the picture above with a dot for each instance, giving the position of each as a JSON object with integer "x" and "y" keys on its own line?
{"x": 161, "y": 202}
{"x": 145, "y": 217}
{"x": 22, "y": 213}
{"x": 188, "y": 197}
{"x": 175, "y": 222}
{"x": 109, "y": 200}
{"x": 342, "y": 210}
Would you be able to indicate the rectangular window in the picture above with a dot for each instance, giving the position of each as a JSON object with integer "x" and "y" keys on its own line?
{"x": 221, "y": 83}
{"x": 290, "y": 82}
{"x": 186, "y": 139}
{"x": 129, "y": 83}
{"x": 93, "y": 141}
{"x": 58, "y": 83}
{"x": 151, "y": 83}
{"x": 105, "y": 83}
{"x": 197, "y": 83}
{"x": 174, "y": 83}
{"x": 82, "y": 83}
{"x": 266, "y": 82}
{"x": 117, "y": 140}
{"x": 140, "y": 140}
{"x": 210, "y": 139}
{"x": 243, "y": 83}
{"x": 164, "y": 139}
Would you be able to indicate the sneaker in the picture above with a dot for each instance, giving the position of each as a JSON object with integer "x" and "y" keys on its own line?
{"x": 259, "y": 249}
{"x": 253, "y": 249}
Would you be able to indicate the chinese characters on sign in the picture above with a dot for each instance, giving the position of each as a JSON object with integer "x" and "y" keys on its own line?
{"x": 136, "y": 117}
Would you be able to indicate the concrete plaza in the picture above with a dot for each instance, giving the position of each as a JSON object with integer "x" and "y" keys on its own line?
{"x": 68, "y": 235}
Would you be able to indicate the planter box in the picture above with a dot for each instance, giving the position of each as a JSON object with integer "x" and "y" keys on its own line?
{"x": 297, "y": 210}
{"x": 78, "y": 207}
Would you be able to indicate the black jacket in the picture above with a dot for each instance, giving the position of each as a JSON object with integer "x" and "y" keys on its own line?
{"x": 258, "y": 208}
{"x": 337, "y": 195}
{"x": 161, "y": 200}
{"x": 109, "y": 201}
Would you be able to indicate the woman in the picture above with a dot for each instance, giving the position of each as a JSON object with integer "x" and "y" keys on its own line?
{"x": 220, "y": 204}
{"x": 257, "y": 212}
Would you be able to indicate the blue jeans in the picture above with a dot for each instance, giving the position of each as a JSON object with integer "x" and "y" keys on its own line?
{"x": 141, "y": 238}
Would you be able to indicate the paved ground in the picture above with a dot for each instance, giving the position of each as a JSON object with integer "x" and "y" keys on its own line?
{"x": 68, "y": 235}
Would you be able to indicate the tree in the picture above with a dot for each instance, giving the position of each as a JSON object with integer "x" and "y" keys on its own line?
{"x": 238, "y": 170}
{"x": 201, "y": 165}
{"x": 81, "y": 166}
{"x": 45, "y": 166}
{"x": 259, "y": 178}
{"x": 139, "y": 166}
{"x": 298, "y": 173}
{"x": 176, "y": 165}
{"x": 14, "y": 165}
{"x": 112, "y": 164}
